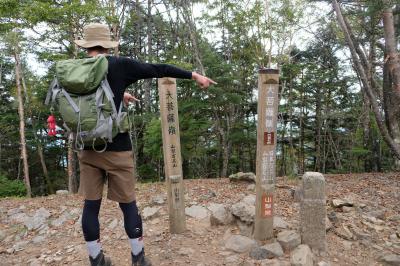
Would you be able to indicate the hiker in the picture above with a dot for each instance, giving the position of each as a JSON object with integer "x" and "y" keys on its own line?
{"x": 116, "y": 161}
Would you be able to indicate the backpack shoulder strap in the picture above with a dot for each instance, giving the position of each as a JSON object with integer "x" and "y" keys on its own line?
{"x": 106, "y": 90}
{"x": 52, "y": 89}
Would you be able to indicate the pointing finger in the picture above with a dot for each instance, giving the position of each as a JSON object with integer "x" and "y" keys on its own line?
{"x": 212, "y": 81}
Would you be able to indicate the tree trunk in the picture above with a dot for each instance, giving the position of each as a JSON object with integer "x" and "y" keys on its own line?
{"x": 24, "y": 154}
{"x": 187, "y": 14}
{"x": 318, "y": 126}
{"x": 392, "y": 65}
{"x": 392, "y": 58}
{"x": 360, "y": 68}
{"x": 49, "y": 184}
{"x": 147, "y": 82}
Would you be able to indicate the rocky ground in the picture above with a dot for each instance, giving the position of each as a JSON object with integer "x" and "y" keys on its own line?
{"x": 363, "y": 226}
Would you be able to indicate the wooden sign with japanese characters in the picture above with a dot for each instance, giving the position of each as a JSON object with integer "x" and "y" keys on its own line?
{"x": 268, "y": 88}
{"x": 172, "y": 154}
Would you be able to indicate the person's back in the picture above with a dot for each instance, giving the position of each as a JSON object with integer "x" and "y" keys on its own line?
{"x": 115, "y": 164}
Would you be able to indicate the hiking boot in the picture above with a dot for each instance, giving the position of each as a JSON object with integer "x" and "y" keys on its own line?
{"x": 100, "y": 260}
{"x": 140, "y": 259}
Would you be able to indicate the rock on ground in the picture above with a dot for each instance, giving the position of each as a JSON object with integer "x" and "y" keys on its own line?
{"x": 390, "y": 260}
{"x": 338, "y": 203}
{"x": 248, "y": 177}
{"x": 344, "y": 232}
{"x": 62, "y": 192}
{"x": 240, "y": 244}
{"x": 150, "y": 212}
{"x": 289, "y": 239}
{"x": 259, "y": 253}
{"x": 302, "y": 256}
{"x": 219, "y": 214}
{"x": 244, "y": 211}
{"x": 158, "y": 200}
{"x": 245, "y": 228}
{"x": 197, "y": 212}
{"x": 38, "y": 220}
{"x": 279, "y": 223}
{"x": 274, "y": 248}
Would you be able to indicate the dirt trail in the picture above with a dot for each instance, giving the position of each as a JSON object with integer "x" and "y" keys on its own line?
{"x": 55, "y": 236}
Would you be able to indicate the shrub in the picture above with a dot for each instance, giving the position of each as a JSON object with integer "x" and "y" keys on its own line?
{"x": 9, "y": 188}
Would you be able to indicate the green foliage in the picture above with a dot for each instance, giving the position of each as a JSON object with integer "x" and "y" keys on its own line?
{"x": 321, "y": 108}
{"x": 11, "y": 188}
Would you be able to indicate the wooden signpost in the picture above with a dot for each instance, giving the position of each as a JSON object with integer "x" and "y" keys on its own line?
{"x": 172, "y": 154}
{"x": 268, "y": 87}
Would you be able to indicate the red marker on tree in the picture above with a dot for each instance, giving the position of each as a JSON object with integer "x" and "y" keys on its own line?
{"x": 51, "y": 125}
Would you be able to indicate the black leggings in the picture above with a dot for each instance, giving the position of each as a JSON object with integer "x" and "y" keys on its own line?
{"x": 90, "y": 220}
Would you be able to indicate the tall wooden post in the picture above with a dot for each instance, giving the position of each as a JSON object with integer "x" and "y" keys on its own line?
{"x": 172, "y": 154}
{"x": 268, "y": 86}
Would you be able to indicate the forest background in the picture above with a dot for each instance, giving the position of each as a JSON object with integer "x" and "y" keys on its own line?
{"x": 339, "y": 85}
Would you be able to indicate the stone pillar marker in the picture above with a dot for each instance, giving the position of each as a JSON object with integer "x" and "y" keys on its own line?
{"x": 172, "y": 154}
{"x": 268, "y": 88}
{"x": 313, "y": 211}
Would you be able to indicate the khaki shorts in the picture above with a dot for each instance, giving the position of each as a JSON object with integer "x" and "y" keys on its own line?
{"x": 115, "y": 166}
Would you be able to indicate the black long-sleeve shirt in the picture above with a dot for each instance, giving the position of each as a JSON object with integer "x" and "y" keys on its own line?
{"x": 122, "y": 72}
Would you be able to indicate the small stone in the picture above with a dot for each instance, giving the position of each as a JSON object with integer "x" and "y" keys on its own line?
{"x": 279, "y": 223}
{"x": 197, "y": 212}
{"x": 338, "y": 203}
{"x": 323, "y": 263}
{"x": 289, "y": 239}
{"x": 10, "y": 250}
{"x": 150, "y": 212}
{"x": 62, "y": 192}
{"x": 274, "y": 248}
{"x": 333, "y": 217}
{"x": 344, "y": 232}
{"x": 158, "y": 200}
{"x": 380, "y": 214}
{"x": 302, "y": 256}
{"x": 259, "y": 253}
{"x": 240, "y": 244}
{"x": 390, "y": 260}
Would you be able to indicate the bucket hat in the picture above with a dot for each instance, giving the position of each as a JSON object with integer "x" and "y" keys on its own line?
{"x": 96, "y": 34}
